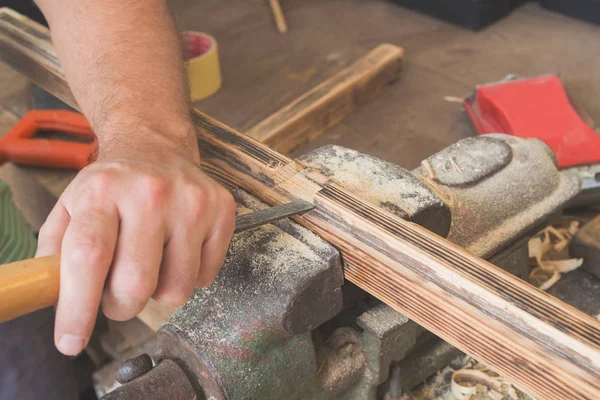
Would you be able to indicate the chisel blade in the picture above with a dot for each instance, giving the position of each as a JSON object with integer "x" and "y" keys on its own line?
{"x": 272, "y": 214}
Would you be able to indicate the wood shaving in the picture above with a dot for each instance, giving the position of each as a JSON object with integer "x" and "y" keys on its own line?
{"x": 465, "y": 378}
{"x": 453, "y": 99}
{"x": 545, "y": 246}
{"x": 477, "y": 382}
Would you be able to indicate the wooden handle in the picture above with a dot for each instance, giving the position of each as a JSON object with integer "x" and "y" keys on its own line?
{"x": 28, "y": 285}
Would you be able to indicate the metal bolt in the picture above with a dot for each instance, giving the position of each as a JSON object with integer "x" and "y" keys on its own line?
{"x": 395, "y": 389}
{"x": 133, "y": 368}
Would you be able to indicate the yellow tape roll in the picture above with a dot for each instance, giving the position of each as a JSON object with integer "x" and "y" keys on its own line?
{"x": 202, "y": 62}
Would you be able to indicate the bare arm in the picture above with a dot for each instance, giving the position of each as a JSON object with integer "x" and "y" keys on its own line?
{"x": 124, "y": 65}
{"x": 143, "y": 221}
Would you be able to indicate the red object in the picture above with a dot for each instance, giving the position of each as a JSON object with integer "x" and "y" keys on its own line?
{"x": 535, "y": 108}
{"x": 195, "y": 44}
{"x": 22, "y": 147}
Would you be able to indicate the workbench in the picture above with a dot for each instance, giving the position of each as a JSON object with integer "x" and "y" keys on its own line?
{"x": 415, "y": 117}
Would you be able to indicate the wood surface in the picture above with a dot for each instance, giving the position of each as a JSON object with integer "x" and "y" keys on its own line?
{"x": 331, "y": 101}
{"x": 278, "y": 16}
{"x": 541, "y": 344}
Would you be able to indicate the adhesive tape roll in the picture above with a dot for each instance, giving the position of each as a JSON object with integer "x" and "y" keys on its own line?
{"x": 202, "y": 62}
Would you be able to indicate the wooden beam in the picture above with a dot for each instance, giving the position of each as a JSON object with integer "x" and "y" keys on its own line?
{"x": 548, "y": 348}
{"x": 330, "y": 102}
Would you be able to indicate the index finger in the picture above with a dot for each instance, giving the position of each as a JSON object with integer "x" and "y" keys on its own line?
{"x": 87, "y": 252}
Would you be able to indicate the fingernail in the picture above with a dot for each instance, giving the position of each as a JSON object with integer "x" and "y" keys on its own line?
{"x": 70, "y": 345}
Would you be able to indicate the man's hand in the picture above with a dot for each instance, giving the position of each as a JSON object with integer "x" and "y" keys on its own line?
{"x": 143, "y": 221}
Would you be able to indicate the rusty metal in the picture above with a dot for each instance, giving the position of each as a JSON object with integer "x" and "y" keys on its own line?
{"x": 278, "y": 282}
{"x": 395, "y": 386}
{"x": 165, "y": 381}
{"x": 133, "y": 368}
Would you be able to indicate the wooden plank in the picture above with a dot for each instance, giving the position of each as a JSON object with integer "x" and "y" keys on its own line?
{"x": 330, "y": 102}
{"x": 546, "y": 347}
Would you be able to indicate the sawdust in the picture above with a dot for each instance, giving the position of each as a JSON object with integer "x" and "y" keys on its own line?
{"x": 309, "y": 241}
{"x": 490, "y": 213}
{"x": 282, "y": 250}
{"x": 341, "y": 360}
{"x": 235, "y": 322}
{"x": 377, "y": 181}
{"x": 239, "y": 322}
{"x": 312, "y": 242}
{"x": 261, "y": 268}
{"x": 381, "y": 319}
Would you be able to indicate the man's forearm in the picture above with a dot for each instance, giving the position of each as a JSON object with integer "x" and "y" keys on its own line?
{"x": 124, "y": 64}
{"x": 142, "y": 220}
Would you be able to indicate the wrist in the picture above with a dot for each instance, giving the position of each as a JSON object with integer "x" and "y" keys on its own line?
{"x": 148, "y": 141}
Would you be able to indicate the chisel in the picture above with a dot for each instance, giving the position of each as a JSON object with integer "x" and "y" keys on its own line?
{"x": 33, "y": 284}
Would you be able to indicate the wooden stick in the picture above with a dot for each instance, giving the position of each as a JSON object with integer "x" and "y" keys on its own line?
{"x": 278, "y": 16}
{"x": 330, "y": 102}
{"x": 543, "y": 345}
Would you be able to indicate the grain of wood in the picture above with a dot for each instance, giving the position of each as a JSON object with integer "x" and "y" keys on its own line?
{"x": 541, "y": 344}
{"x": 278, "y": 16}
{"x": 330, "y": 102}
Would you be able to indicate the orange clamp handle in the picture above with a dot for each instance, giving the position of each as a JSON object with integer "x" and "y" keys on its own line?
{"x": 22, "y": 147}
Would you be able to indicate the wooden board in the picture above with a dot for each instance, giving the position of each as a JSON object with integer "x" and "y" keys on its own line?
{"x": 543, "y": 345}
{"x": 330, "y": 102}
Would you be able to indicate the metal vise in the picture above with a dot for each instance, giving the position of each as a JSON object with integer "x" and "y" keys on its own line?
{"x": 280, "y": 323}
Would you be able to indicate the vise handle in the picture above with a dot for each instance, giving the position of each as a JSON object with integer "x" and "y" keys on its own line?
{"x": 33, "y": 284}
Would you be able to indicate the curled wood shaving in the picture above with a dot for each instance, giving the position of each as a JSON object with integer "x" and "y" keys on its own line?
{"x": 477, "y": 382}
{"x": 547, "y": 278}
{"x": 456, "y": 381}
{"x": 469, "y": 382}
{"x": 552, "y": 239}
{"x": 563, "y": 266}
